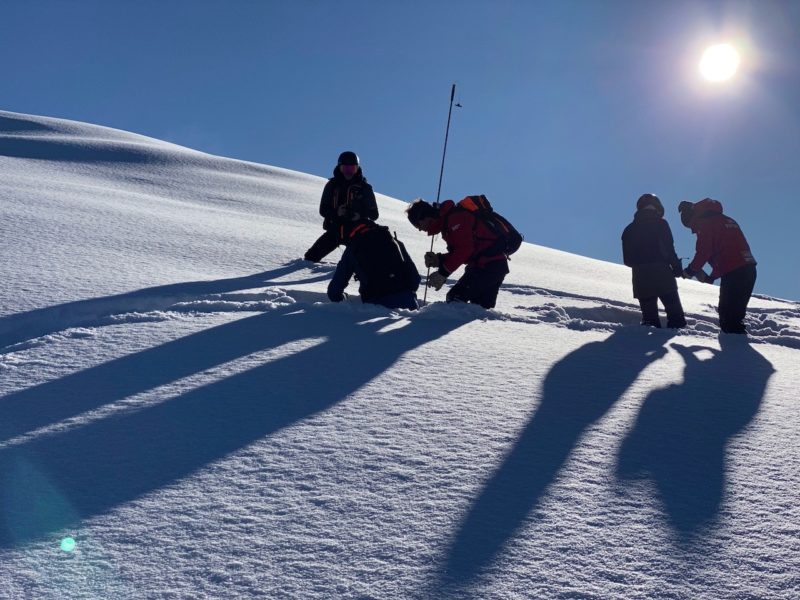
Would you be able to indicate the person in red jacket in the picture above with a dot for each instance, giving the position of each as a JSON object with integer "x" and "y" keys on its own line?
{"x": 469, "y": 242}
{"x": 721, "y": 243}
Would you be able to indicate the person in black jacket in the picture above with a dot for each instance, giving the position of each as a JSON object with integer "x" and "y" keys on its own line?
{"x": 648, "y": 248}
{"x": 381, "y": 264}
{"x": 347, "y": 198}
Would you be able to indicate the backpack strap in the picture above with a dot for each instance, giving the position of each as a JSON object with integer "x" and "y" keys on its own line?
{"x": 360, "y": 228}
{"x": 494, "y": 249}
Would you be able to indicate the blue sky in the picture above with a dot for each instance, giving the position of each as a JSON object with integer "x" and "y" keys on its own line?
{"x": 571, "y": 109}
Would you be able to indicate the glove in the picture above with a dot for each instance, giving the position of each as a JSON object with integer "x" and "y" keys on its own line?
{"x": 432, "y": 260}
{"x": 356, "y": 216}
{"x": 436, "y": 280}
{"x": 699, "y": 275}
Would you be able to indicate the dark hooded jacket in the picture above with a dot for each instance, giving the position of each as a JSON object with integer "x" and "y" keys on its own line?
{"x": 648, "y": 248}
{"x": 355, "y": 194}
{"x": 720, "y": 241}
{"x": 381, "y": 264}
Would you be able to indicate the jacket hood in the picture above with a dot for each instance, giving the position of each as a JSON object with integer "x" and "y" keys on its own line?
{"x": 647, "y": 213}
{"x": 707, "y": 207}
{"x": 446, "y": 206}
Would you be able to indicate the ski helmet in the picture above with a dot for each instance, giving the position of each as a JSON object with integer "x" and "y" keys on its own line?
{"x": 348, "y": 158}
{"x": 650, "y": 200}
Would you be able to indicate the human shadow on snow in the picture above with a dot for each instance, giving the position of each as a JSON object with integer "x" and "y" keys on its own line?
{"x": 680, "y": 436}
{"x": 571, "y": 402}
{"x": 53, "y": 401}
{"x": 56, "y": 480}
{"x": 22, "y": 327}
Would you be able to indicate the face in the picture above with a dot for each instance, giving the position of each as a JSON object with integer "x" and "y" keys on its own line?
{"x": 425, "y": 224}
{"x": 348, "y": 170}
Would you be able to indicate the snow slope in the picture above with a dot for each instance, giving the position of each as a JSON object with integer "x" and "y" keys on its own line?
{"x": 178, "y": 396}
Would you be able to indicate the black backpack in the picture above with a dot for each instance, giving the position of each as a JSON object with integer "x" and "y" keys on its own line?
{"x": 508, "y": 238}
{"x": 387, "y": 267}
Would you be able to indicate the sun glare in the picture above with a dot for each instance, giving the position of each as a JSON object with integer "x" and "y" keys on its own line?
{"x": 719, "y": 63}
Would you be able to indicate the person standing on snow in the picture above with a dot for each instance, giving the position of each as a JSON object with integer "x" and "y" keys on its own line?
{"x": 648, "y": 249}
{"x": 469, "y": 241}
{"x": 381, "y": 264}
{"x": 347, "y": 197}
{"x": 721, "y": 243}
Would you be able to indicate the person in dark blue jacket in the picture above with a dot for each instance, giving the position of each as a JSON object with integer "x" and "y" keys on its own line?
{"x": 649, "y": 250}
{"x": 347, "y": 198}
{"x": 380, "y": 263}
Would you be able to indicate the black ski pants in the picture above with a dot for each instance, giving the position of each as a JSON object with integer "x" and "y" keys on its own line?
{"x": 480, "y": 285}
{"x": 672, "y": 306}
{"x": 325, "y": 244}
{"x": 735, "y": 290}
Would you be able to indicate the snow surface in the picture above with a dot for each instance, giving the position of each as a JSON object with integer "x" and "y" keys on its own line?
{"x": 178, "y": 396}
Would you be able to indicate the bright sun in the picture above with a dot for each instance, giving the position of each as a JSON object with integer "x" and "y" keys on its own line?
{"x": 719, "y": 62}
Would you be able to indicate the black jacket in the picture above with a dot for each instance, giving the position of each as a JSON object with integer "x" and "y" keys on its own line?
{"x": 355, "y": 194}
{"x": 380, "y": 263}
{"x": 648, "y": 248}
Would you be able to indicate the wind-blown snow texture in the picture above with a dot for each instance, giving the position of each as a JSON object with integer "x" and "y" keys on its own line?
{"x": 177, "y": 395}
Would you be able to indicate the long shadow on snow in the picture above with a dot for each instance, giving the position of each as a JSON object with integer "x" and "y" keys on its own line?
{"x": 25, "y": 326}
{"x": 681, "y": 433}
{"x": 74, "y": 394}
{"x": 576, "y": 393}
{"x": 55, "y": 481}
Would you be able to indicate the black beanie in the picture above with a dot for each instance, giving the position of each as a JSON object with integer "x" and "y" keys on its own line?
{"x": 348, "y": 158}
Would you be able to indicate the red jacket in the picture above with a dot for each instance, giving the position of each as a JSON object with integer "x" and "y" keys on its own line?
{"x": 720, "y": 242}
{"x": 466, "y": 238}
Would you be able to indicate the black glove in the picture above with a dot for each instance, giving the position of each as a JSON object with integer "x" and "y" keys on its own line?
{"x": 436, "y": 280}
{"x": 432, "y": 260}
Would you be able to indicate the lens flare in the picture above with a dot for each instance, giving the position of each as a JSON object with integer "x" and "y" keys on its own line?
{"x": 68, "y": 544}
{"x": 719, "y": 63}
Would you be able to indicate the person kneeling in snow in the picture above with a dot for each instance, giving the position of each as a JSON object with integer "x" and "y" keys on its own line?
{"x": 380, "y": 263}
{"x": 649, "y": 250}
{"x": 722, "y": 244}
{"x": 469, "y": 241}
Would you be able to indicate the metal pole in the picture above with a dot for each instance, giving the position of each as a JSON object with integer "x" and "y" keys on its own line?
{"x": 441, "y": 173}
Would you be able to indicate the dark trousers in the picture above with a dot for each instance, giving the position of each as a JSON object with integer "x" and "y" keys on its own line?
{"x": 735, "y": 290}
{"x": 672, "y": 306}
{"x": 480, "y": 285}
{"x": 398, "y": 300}
{"x": 325, "y": 244}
